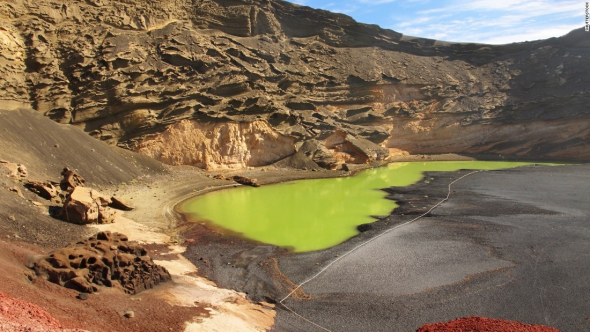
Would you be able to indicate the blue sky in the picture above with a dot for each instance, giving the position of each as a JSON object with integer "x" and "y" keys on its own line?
{"x": 480, "y": 21}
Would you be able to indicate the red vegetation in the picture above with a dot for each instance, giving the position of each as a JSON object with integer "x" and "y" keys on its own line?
{"x": 481, "y": 324}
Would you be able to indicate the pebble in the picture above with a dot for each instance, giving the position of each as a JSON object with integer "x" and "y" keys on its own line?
{"x": 83, "y": 296}
{"x": 129, "y": 314}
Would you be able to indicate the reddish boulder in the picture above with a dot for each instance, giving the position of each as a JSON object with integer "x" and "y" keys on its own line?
{"x": 103, "y": 260}
{"x": 45, "y": 189}
{"x": 482, "y": 324}
{"x": 87, "y": 206}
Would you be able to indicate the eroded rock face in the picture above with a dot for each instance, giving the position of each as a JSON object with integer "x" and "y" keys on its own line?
{"x": 218, "y": 145}
{"x": 103, "y": 260}
{"x": 145, "y": 74}
{"x": 13, "y": 86}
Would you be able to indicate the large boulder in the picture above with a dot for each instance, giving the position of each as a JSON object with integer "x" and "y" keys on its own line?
{"x": 106, "y": 259}
{"x": 372, "y": 151}
{"x": 298, "y": 160}
{"x": 87, "y": 206}
{"x": 318, "y": 153}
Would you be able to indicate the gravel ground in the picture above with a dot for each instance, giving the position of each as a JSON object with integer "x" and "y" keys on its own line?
{"x": 511, "y": 244}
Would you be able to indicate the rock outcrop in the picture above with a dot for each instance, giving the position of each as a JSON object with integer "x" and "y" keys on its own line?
{"x": 87, "y": 206}
{"x": 46, "y": 189}
{"x": 239, "y": 83}
{"x": 103, "y": 260}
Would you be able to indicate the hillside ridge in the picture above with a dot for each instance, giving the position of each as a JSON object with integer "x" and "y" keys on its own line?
{"x": 129, "y": 72}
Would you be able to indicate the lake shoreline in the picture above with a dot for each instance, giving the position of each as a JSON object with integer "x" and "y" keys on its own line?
{"x": 221, "y": 258}
{"x": 263, "y": 273}
{"x": 231, "y": 260}
{"x": 314, "y": 214}
{"x": 473, "y": 256}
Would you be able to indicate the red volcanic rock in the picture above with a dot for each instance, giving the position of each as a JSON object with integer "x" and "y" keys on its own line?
{"x": 17, "y": 315}
{"x": 87, "y": 206}
{"x": 71, "y": 180}
{"x": 482, "y": 324}
{"x": 106, "y": 259}
{"x": 44, "y": 189}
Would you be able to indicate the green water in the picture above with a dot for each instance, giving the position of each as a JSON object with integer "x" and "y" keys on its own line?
{"x": 310, "y": 215}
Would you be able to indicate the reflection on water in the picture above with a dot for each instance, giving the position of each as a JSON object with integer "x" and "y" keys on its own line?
{"x": 310, "y": 215}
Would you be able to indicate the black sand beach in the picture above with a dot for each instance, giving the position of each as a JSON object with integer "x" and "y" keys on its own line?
{"x": 509, "y": 244}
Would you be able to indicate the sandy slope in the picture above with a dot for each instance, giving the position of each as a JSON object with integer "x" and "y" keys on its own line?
{"x": 26, "y": 229}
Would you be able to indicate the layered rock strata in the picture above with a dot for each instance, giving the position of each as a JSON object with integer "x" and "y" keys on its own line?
{"x": 217, "y": 145}
{"x": 253, "y": 80}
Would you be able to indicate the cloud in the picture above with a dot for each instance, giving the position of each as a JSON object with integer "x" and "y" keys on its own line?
{"x": 299, "y": 2}
{"x": 417, "y": 21}
{"x": 493, "y": 21}
{"x": 343, "y": 7}
{"x": 531, "y": 34}
{"x": 481, "y": 21}
{"x": 516, "y": 7}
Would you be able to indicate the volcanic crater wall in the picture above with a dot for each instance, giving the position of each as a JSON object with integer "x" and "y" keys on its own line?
{"x": 238, "y": 83}
{"x": 218, "y": 145}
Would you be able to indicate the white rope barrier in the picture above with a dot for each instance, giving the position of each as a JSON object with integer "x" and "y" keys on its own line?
{"x": 361, "y": 245}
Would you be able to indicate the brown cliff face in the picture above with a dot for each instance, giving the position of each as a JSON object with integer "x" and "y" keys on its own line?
{"x": 270, "y": 75}
{"x": 221, "y": 145}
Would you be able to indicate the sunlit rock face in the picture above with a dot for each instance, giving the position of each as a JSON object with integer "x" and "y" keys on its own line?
{"x": 218, "y": 145}
{"x": 133, "y": 73}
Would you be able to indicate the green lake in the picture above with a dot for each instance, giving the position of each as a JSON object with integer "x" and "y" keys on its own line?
{"x": 308, "y": 215}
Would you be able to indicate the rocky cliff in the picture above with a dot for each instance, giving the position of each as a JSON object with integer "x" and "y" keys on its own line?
{"x": 237, "y": 83}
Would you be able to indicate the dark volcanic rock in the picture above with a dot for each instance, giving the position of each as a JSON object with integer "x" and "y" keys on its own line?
{"x": 103, "y": 260}
{"x": 246, "y": 181}
{"x": 364, "y": 227}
